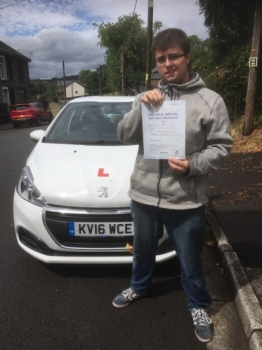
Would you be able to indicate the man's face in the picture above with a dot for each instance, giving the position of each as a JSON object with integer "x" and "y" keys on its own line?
{"x": 173, "y": 69}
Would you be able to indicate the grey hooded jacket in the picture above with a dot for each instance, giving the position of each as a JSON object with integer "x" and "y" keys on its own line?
{"x": 208, "y": 141}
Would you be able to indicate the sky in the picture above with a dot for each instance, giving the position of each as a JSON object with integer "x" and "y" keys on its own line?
{"x": 50, "y": 32}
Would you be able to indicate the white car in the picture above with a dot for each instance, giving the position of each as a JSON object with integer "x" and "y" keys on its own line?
{"x": 71, "y": 204}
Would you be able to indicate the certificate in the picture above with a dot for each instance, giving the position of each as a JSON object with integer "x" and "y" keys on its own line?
{"x": 164, "y": 130}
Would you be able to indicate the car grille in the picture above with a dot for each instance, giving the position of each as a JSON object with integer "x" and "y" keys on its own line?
{"x": 56, "y": 222}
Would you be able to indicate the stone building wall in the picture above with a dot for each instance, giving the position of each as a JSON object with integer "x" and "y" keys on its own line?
{"x": 17, "y": 82}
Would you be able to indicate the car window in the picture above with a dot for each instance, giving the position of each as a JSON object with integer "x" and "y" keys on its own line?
{"x": 88, "y": 122}
{"x": 20, "y": 108}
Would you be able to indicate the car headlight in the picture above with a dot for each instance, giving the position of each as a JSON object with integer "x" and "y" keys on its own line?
{"x": 27, "y": 190}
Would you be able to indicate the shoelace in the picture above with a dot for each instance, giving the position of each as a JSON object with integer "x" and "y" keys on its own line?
{"x": 129, "y": 294}
{"x": 200, "y": 317}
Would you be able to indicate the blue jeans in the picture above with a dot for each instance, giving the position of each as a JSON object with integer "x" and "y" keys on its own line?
{"x": 186, "y": 232}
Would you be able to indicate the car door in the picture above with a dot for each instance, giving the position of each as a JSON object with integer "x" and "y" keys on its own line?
{"x": 44, "y": 114}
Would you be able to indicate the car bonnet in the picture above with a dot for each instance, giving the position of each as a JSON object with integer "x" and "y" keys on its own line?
{"x": 83, "y": 175}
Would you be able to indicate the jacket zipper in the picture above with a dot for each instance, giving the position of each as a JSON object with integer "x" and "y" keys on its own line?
{"x": 158, "y": 182}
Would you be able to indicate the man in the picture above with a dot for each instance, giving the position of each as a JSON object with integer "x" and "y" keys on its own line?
{"x": 173, "y": 192}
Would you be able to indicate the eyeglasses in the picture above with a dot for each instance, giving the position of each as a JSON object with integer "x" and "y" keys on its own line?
{"x": 171, "y": 58}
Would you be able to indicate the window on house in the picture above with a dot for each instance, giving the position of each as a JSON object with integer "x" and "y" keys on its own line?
{"x": 2, "y": 68}
{"x": 6, "y": 95}
{"x": 21, "y": 96}
{"x": 9, "y": 71}
{"x": 20, "y": 71}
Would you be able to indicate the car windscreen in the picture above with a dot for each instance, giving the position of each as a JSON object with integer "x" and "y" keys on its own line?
{"x": 88, "y": 123}
{"x": 20, "y": 107}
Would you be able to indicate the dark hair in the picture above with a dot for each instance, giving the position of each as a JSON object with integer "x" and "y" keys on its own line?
{"x": 168, "y": 38}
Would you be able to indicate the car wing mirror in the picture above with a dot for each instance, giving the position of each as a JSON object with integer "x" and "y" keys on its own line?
{"x": 37, "y": 135}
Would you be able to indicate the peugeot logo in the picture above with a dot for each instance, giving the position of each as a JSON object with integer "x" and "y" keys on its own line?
{"x": 103, "y": 191}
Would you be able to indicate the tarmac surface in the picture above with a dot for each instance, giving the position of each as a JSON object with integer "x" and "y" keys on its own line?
{"x": 234, "y": 219}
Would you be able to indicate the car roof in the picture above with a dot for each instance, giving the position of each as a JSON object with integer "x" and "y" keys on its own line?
{"x": 103, "y": 99}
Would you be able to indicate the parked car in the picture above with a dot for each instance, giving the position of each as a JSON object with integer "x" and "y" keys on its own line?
{"x": 30, "y": 113}
{"x": 71, "y": 203}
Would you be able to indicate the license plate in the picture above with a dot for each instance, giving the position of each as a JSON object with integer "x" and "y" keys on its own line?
{"x": 100, "y": 229}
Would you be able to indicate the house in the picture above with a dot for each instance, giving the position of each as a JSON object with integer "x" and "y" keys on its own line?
{"x": 61, "y": 84}
{"x": 72, "y": 87}
{"x": 14, "y": 79}
{"x": 75, "y": 89}
{"x": 155, "y": 78}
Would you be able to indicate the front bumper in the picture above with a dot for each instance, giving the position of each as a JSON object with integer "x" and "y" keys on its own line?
{"x": 80, "y": 259}
{"x": 46, "y": 242}
{"x": 25, "y": 120}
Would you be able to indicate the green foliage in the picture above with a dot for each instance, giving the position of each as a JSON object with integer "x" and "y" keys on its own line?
{"x": 71, "y": 77}
{"x": 200, "y": 55}
{"x": 230, "y": 25}
{"x": 89, "y": 79}
{"x": 126, "y": 38}
{"x": 229, "y": 79}
{"x": 38, "y": 87}
{"x": 229, "y": 22}
{"x": 51, "y": 92}
{"x": 43, "y": 90}
{"x": 258, "y": 121}
{"x": 92, "y": 79}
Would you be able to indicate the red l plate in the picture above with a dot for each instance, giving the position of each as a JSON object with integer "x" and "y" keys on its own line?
{"x": 101, "y": 173}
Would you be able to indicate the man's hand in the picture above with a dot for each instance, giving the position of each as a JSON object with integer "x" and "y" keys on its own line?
{"x": 178, "y": 166}
{"x": 153, "y": 97}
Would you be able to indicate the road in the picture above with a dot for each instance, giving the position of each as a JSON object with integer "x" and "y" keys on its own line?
{"x": 69, "y": 307}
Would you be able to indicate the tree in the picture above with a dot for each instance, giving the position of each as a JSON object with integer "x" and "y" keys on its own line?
{"x": 38, "y": 87}
{"x": 89, "y": 79}
{"x": 127, "y": 35}
{"x": 199, "y": 55}
{"x": 92, "y": 79}
{"x": 44, "y": 90}
{"x": 230, "y": 25}
{"x": 51, "y": 91}
{"x": 253, "y": 71}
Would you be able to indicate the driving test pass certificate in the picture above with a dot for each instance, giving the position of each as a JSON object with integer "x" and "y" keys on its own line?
{"x": 164, "y": 130}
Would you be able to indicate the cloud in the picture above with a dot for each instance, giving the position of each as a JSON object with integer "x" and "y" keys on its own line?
{"x": 49, "y": 32}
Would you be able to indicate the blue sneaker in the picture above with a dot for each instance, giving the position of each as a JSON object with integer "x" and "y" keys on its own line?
{"x": 125, "y": 298}
{"x": 203, "y": 325}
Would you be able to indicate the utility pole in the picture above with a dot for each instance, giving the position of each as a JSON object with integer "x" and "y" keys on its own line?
{"x": 99, "y": 79}
{"x": 252, "y": 77}
{"x": 122, "y": 70}
{"x": 149, "y": 43}
{"x": 64, "y": 80}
